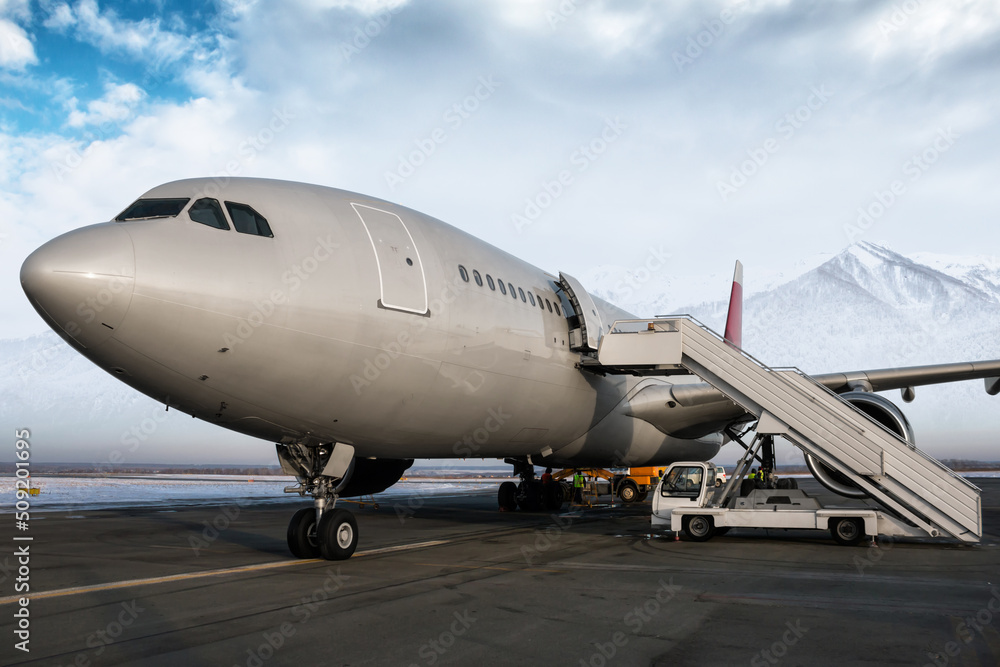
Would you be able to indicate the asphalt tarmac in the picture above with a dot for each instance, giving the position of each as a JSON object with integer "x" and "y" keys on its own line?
{"x": 450, "y": 580}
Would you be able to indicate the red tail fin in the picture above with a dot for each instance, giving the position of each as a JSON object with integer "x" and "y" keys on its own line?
{"x": 734, "y": 322}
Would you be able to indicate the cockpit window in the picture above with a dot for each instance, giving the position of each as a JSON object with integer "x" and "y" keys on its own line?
{"x": 144, "y": 209}
{"x": 208, "y": 212}
{"x": 248, "y": 221}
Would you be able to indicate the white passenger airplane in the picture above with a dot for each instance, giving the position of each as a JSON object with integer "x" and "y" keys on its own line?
{"x": 359, "y": 335}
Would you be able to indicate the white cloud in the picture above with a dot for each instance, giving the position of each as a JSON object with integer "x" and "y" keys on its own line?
{"x": 928, "y": 31}
{"x": 60, "y": 17}
{"x": 19, "y": 9}
{"x": 16, "y": 49}
{"x": 115, "y": 106}
{"x": 361, "y": 6}
{"x": 142, "y": 40}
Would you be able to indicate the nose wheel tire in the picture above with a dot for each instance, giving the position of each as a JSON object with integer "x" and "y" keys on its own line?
{"x": 337, "y": 535}
{"x": 302, "y": 540}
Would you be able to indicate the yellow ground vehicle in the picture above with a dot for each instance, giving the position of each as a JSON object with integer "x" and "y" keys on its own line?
{"x": 634, "y": 486}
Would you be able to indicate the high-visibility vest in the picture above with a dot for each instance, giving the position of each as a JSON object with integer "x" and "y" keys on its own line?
{"x": 578, "y": 481}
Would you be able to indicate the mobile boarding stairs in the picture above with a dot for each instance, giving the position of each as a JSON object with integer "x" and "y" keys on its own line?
{"x": 786, "y": 402}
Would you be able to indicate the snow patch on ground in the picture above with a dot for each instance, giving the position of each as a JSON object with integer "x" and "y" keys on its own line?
{"x": 89, "y": 493}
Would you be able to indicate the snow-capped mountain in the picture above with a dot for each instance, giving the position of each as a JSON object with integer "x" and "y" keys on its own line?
{"x": 870, "y": 307}
{"x": 867, "y": 307}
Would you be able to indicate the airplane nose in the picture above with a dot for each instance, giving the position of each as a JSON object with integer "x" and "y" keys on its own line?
{"x": 81, "y": 283}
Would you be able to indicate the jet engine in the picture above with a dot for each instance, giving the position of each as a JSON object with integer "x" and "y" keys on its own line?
{"x": 374, "y": 475}
{"x": 879, "y": 409}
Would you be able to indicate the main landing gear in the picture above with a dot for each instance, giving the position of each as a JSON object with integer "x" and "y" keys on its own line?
{"x": 531, "y": 495}
{"x": 321, "y": 530}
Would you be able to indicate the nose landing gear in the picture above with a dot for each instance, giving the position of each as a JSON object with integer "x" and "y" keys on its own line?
{"x": 322, "y": 471}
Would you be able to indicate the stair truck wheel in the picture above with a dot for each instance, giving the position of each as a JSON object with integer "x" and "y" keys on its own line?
{"x": 698, "y": 528}
{"x": 847, "y": 530}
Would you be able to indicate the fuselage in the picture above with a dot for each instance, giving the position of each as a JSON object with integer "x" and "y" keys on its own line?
{"x": 357, "y": 321}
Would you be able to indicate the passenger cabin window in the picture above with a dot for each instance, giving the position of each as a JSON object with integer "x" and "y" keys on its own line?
{"x": 146, "y": 209}
{"x": 531, "y": 298}
{"x": 549, "y": 305}
{"x": 683, "y": 482}
{"x": 462, "y": 272}
{"x": 510, "y": 286}
{"x": 208, "y": 212}
{"x": 521, "y": 292}
{"x": 489, "y": 281}
{"x": 503, "y": 290}
{"x": 248, "y": 221}
{"x": 479, "y": 278}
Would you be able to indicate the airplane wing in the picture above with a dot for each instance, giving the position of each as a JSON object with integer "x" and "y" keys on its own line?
{"x": 913, "y": 376}
{"x": 882, "y": 379}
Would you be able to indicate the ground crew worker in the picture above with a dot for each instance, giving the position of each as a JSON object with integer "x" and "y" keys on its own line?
{"x": 577, "y": 487}
{"x": 547, "y": 476}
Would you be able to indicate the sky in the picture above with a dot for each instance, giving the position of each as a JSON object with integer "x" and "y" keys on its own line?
{"x": 573, "y": 134}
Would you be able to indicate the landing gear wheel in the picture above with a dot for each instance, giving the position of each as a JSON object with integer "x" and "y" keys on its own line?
{"x": 698, "y": 528}
{"x": 529, "y": 496}
{"x": 302, "y": 540}
{"x": 847, "y": 531}
{"x": 552, "y": 493}
{"x": 338, "y": 534}
{"x": 507, "y": 496}
{"x": 628, "y": 492}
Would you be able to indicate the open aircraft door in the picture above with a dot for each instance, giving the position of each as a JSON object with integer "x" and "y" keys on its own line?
{"x": 586, "y": 328}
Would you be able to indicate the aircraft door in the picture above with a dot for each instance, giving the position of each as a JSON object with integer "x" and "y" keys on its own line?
{"x": 585, "y": 337}
{"x": 401, "y": 273}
